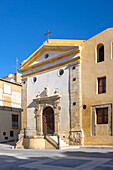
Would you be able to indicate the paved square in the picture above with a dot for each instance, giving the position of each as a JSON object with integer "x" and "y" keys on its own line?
{"x": 72, "y": 163}
{"x": 79, "y": 159}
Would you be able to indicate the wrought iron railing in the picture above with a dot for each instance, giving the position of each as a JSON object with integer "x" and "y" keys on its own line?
{"x": 14, "y": 124}
{"x": 48, "y": 132}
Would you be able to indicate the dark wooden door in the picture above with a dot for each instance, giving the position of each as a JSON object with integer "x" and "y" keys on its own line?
{"x": 48, "y": 120}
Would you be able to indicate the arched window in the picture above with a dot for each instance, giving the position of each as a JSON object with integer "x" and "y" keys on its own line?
{"x": 100, "y": 52}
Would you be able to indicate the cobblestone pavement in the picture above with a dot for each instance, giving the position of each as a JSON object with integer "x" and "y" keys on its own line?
{"x": 79, "y": 159}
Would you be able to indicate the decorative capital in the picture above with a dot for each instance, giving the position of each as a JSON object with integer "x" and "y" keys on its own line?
{"x": 36, "y": 109}
{"x": 59, "y": 108}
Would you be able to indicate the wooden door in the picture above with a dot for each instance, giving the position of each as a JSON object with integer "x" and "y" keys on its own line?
{"x": 48, "y": 120}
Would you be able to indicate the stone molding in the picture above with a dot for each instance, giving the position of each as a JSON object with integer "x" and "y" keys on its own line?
{"x": 14, "y": 109}
{"x": 41, "y": 104}
{"x": 46, "y": 99}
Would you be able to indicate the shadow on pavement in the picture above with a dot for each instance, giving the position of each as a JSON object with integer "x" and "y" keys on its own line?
{"x": 65, "y": 159}
{"x": 88, "y": 154}
{"x": 13, "y": 163}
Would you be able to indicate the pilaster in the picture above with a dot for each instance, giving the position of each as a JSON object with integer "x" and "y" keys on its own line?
{"x": 76, "y": 132}
{"x": 57, "y": 109}
{"x": 24, "y": 104}
{"x": 38, "y": 114}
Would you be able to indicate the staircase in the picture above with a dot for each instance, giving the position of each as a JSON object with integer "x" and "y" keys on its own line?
{"x": 63, "y": 144}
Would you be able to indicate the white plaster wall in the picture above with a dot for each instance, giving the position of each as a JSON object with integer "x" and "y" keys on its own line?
{"x": 53, "y": 63}
{"x": 51, "y": 80}
{"x": 51, "y": 55}
{"x": 16, "y": 99}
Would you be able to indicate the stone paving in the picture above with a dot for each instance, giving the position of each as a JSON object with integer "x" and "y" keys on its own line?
{"x": 79, "y": 159}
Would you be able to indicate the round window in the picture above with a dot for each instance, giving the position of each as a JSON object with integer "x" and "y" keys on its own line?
{"x": 84, "y": 106}
{"x": 46, "y": 56}
{"x": 61, "y": 72}
{"x": 34, "y": 79}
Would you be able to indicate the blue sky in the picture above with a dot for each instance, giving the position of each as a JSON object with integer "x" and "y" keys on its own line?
{"x": 23, "y": 24}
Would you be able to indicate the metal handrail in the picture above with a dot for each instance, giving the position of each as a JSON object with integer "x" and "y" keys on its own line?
{"x": 52, "y": 132}
{"x": 47, "y": 129}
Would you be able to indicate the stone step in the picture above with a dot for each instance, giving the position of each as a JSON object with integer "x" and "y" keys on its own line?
{"x": 62, "y": 142}
{"x": 87, "y": 147}
{"x": 97, "y": 147}
{"x": 69, "y": 147}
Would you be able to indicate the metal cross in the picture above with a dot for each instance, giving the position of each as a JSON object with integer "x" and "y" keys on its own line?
{"x": 48, "y": 32}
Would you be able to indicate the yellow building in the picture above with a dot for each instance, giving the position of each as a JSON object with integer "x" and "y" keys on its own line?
{"x": 10, "y": 107}
{"x": 97, "y": 93}
{"x": 67, "y": 92}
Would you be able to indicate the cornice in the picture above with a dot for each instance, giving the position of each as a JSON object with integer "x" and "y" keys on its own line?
{"x": 41, "y": 51}
{"x": 48, "y": 98}
{"x": 49, "y": 68}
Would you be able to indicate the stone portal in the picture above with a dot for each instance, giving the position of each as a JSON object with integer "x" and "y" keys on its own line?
{"x": 47, "y": 113}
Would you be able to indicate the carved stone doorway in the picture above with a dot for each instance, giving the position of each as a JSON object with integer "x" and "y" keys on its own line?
{"x": 48, "y": 121}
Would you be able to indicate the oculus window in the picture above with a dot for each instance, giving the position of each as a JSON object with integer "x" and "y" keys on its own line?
{"x": 34, "y": 79}
{"x": 46, "y": 56}
{"x": 60, "y": 72}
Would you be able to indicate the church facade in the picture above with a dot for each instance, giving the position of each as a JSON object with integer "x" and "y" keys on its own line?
{"x": 67, "y": 91}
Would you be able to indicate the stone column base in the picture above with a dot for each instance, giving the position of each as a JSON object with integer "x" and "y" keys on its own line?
{"x": 76, "y": 137}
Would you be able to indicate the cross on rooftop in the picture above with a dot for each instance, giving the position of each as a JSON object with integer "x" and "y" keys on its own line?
{"x": 48, "y": 32}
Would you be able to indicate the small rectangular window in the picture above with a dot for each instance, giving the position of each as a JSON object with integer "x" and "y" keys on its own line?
{"x": 4, "y": 133}
{"x": 11, "y": 133}
{"x": 15, "y": 121}
{"x": 101, "y": 85}
{"x": 102, "y": 115}
{"x": 7, "y": 88}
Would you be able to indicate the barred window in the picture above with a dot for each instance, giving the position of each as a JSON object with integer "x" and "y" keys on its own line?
{"x": 15, "y": 121}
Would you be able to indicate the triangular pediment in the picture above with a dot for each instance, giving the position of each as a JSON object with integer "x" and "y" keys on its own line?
{"x": 48, "y": 52}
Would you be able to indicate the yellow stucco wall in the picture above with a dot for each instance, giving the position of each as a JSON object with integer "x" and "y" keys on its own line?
{"x": 91, "y": 70}
{"x": 10, "y": 97}
{"x": 6, "y": 124}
